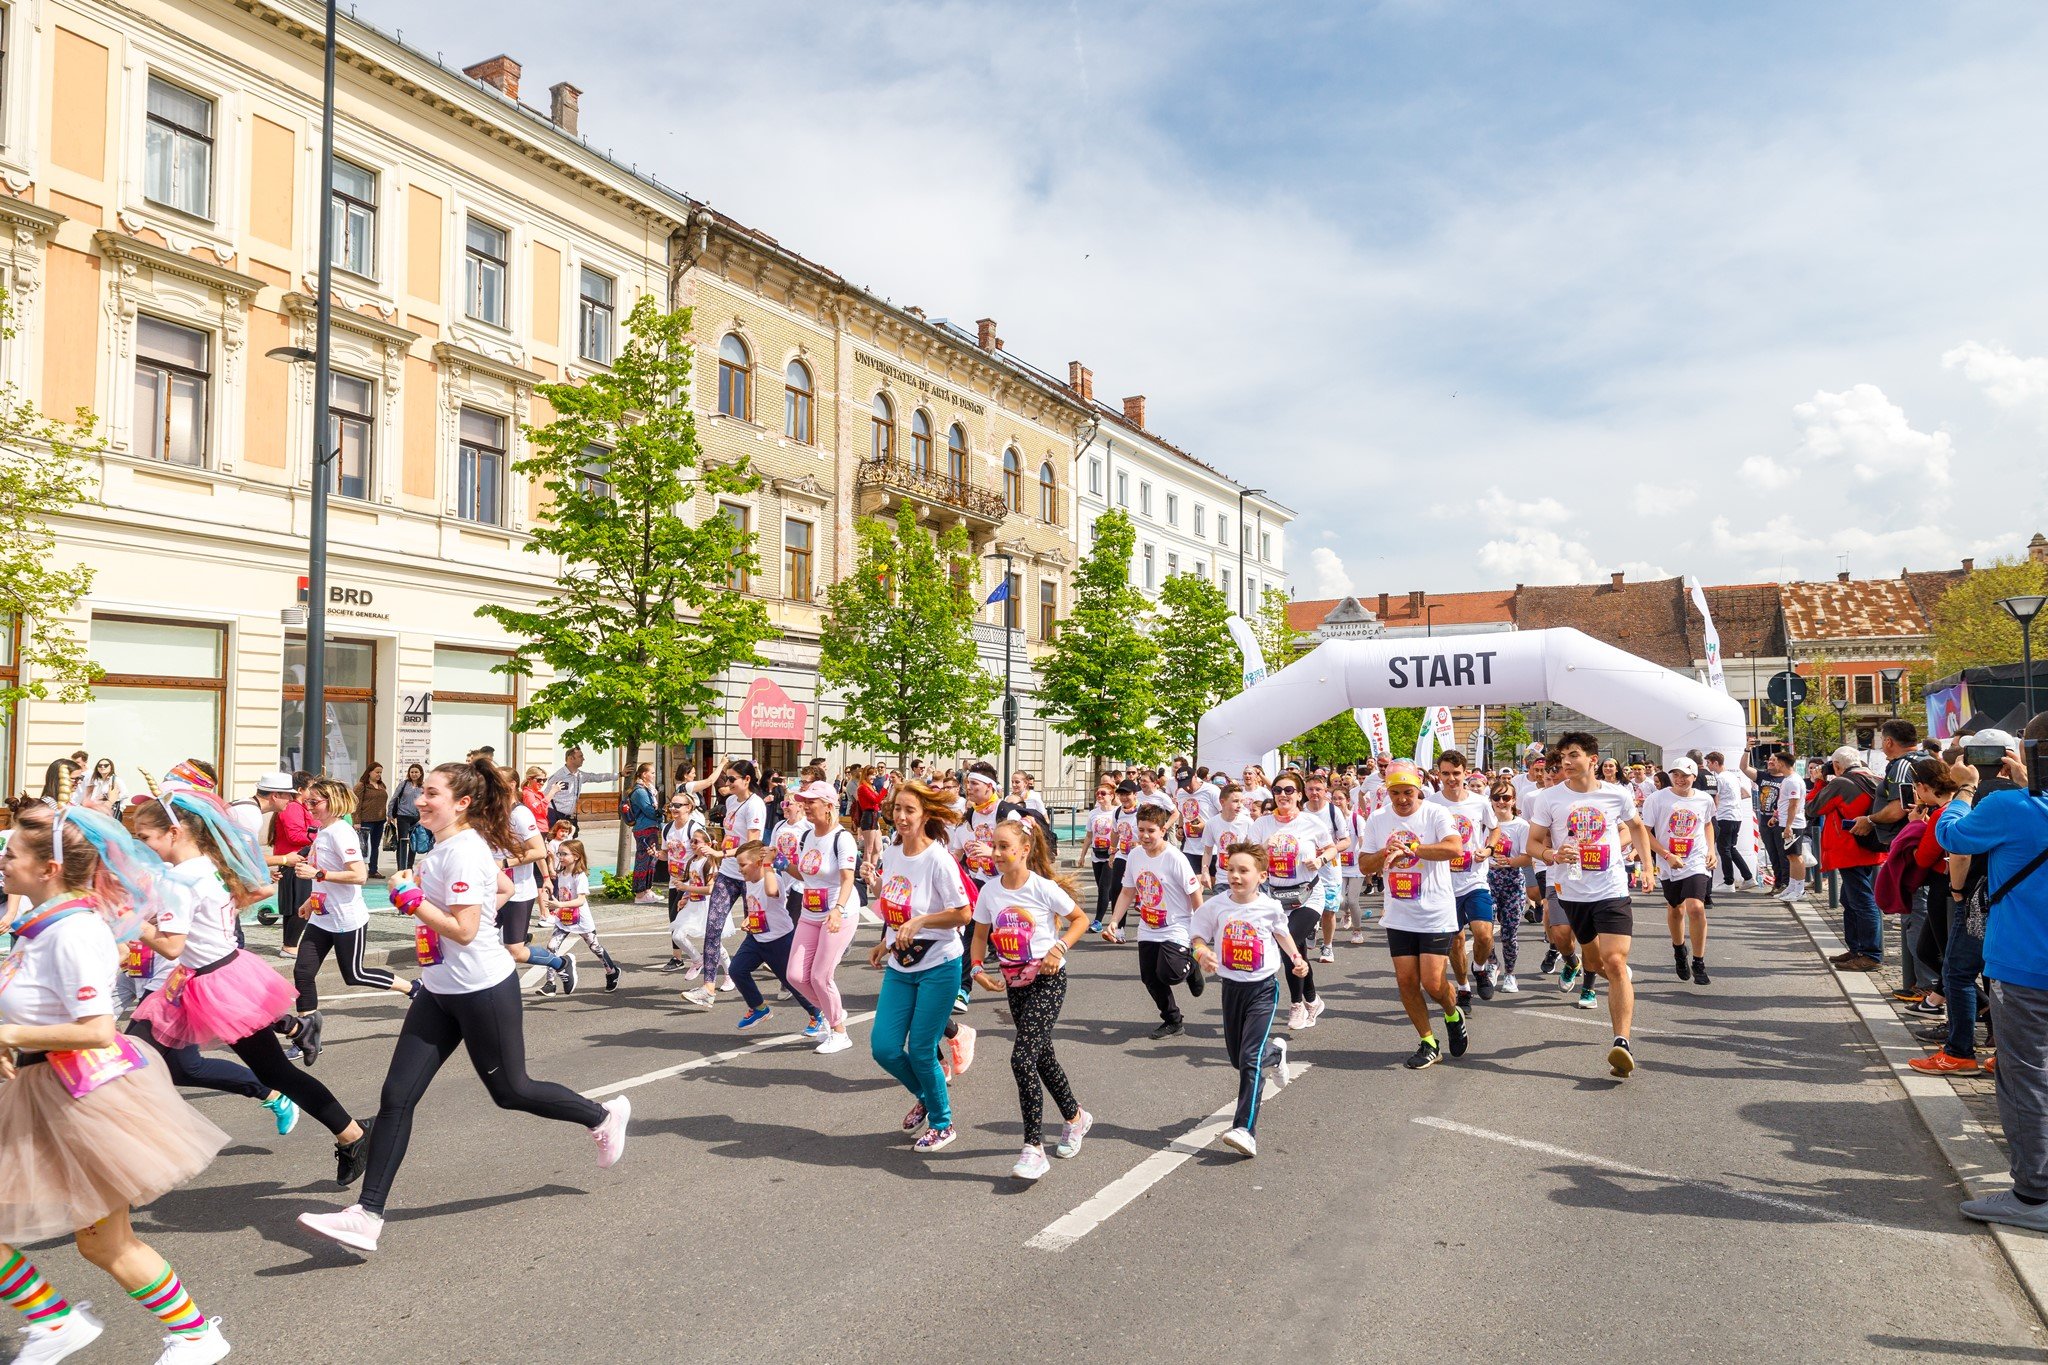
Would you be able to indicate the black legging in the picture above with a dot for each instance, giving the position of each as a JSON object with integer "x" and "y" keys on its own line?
{"x": 487, "y": 1025}
{"x": 1728, "y": 844}
{"x": 1105, "y": 891}
{"x": 291, "y": 894}
{"x": 404, "y": 852}
{"x": 348, "y": 955}
{"x": 1036, "y": 1008}
{"x": 1304, "y": 921}
{"x": 264, "y": 1055}
{"x": 188, "y": 1066}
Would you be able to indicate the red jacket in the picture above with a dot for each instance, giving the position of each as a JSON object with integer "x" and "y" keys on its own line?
{"x": 1836, "y": 807}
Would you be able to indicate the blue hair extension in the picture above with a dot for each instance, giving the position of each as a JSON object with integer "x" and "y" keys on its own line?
{"x": 237, "y": 846}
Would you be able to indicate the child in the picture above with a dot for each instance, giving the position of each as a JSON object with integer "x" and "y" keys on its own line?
{"x": 1233, "y": 825}
{"x": 572, "y": 914}
{"x": 677, "y": 838}
{"x": 698, "y": 874}
{"x": 766, "y": 920}
{"x": 1239, "y": 923}
{"x": 1505, "y": 873}
{"x": 1159, "y": 880}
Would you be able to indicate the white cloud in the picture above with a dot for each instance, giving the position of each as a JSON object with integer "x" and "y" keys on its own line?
{"x": 1862, "y": 432}
{"x": 1499, "y": 512}
{"x": 1763, "y": 472}
{"x": 1537, "y": 557}
{"x": 2009, "y": 380}
{"x": 1652, "y": 499}
{"x": 1326, "y": 574}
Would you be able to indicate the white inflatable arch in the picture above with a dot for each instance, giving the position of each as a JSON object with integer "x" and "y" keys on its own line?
{"x": 1566, "y": 666}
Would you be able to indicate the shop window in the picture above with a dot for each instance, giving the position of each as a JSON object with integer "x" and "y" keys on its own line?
{"x": 173, "y": 367}
{"x": 472, "y": 705}
{"x": 735, "y": 379}
{"x": 798, "y": 397}
{"x": 177, "y": 156}
{"x": 160, "y": 700}
{"x": 350, "y": 693}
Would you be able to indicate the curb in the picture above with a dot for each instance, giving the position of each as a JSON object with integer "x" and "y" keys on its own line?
{"x": 1971, "y": 1153}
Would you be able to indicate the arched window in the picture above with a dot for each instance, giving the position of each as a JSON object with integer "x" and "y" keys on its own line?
{"x": 956, "y": 454}
{"x": 921, "y": 442}
{"x": 796, "y": 402}
{"x": 1013, "y": 480}
{"x": 1048, "y": 504}
{"x": 885, "y": 429}
{"x": 735, "y": 379}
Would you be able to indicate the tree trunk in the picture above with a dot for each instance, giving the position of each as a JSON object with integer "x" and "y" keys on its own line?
{"x": 624, "y": 866}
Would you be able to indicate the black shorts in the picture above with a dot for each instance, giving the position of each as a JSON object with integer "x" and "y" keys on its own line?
{"x": 1678, "y": 890}
{"x": 1408, "y": 943}
{"x": 870, "y": 819}
{"x": 515, "y": 921}
{"x": 1590, "y": 919}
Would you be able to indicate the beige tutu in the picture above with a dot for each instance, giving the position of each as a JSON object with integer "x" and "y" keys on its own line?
{"x": 67, "y": 1163}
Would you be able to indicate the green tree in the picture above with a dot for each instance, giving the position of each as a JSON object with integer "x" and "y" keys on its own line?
{"x": 898, "y": 644}
{"x": 45, "y": 471}
{"x": 1096, "y": 686}
{"x": 643, "y": 620}
{"x": 1971, "y": 630}
{"x": 1510, "y": 736}
{"x": 1275, "y": 636}
{"x": 1404, "y": 727}
{"x": 1337, "y": 740}
{"x": 1198, "y": 663}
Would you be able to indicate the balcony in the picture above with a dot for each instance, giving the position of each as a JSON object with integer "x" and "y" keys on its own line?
{"x": 894, "y": 480}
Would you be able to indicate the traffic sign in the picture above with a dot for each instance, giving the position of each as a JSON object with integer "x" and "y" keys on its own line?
{"x": 1787, "y": 689}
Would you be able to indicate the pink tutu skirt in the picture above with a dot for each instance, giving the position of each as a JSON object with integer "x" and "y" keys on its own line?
{"x": 67, "y": 1163}
{"x": 219, "y": 1007}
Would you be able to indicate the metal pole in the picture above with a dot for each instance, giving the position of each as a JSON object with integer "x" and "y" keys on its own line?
{"x": 2027, "y": 654}
{"x": 314, "y": 754}
{"x": 1240, "y": 553}
{"x": 1010, "y": 608}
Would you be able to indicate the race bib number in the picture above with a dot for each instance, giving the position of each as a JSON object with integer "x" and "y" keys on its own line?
{"x": 1350, "y": 858}
{"x": 1595, "y": 857}
{"x": 86, "y": 1071}
{"x": 756, "y": 920}
{"x": 1463, "y": 862}
{"x": 1124, "y": 835}
{"x": 1681, "y": 846}
{"x": 1244, "y": 947}
{"x": 896, "y": 901}
{"x": 1283, "y": 858}
{"x": 1191, "y": 818}
{"x": 1102, "y": 840}
{"x": 174, "y": 984}
{"x": 981, "y": 858}
{"x": 1011, "y": 935}
{"x": 137, "y": 959}
{"x": 817, "y": 900}
{"x": 567, "y": 915}
{"x": 1404, "y": 884}
{"x": 426, "y": 946}
{"x": 730, "y": 845}
{"x": 1151, "y": 901}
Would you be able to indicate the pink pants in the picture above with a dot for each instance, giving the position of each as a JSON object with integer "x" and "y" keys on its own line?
{"x": 814, "y": 957}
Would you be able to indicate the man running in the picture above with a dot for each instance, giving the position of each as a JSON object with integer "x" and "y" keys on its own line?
{"x": 1412, "y": 843}
{"x": 1678, "y": 818}
{"x": 1330, "y": 877}
{"x": 1472, "y": 814}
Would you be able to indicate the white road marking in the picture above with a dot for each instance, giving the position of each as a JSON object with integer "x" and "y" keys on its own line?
{"x": 698, "y": 1064}
{"x": 1111, "y": 1199}
{"x": 1644, "y": 1173}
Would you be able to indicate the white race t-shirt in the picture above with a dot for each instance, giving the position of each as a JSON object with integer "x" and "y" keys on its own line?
{"x": 821, "y": 861}
{"x": 1510, "y": 840}
{"x": 524, "y": 828}
{"x": 744, "y": 820}
{"x": 1163, "y": 890}
{"x": 1023, "y": 921}
{"x": 1474, "y": 819}
{"x": 1243, "y": 937}
{"x": 1126, "y": 831}
{"x": 64, "y": 974}
{"x": 1197, "y": 809}
{"x": 1683, "y": 824}
{"x": 461, "y": 869}
{"x": 1417, "y": 896}
{"x": 335, "y": 849}
{"x": 1292, "y": 848}
{"x": 1595, "y": 822}
{"x": 1791, "y": 790}
{"x": 1336, "y": 825}
{"x": 973, "y": 842}
{"x": 1731, "y": 794}
{"x": 1155, "y": 798}
{"x": 1526, "y": 788}
{"x": 210, "y": 926}
{"x": 1222, "y": 833}
{"x": 570, "y": 913}
{"x": 927, "y": 884}
{"x": 764, "y": 916}
{"x": 1102, "y": 834}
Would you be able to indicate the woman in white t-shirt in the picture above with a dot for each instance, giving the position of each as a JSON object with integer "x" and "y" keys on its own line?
{"x": 827, "y": 860}
{"x": 337, "y": 920}
{"x": 1507, "y": 876}
{"x": 1028, "y": 915}
{"x": 469, "y": 993}
{"x": 89, "y": 1130}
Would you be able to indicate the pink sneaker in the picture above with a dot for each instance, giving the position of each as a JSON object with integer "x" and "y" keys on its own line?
{"x": 353, "y": 1226}
{"x": 960, "y": 1052}
{"x": 611, "y": 1134}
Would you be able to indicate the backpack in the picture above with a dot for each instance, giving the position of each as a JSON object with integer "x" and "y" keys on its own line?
{"x": 1052, "y": 840}
{"x": 1976, "y": 905}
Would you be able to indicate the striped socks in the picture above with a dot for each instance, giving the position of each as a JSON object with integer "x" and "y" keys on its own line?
{"x": 24, "y": 1289}
{"x": 166, "y": 1297}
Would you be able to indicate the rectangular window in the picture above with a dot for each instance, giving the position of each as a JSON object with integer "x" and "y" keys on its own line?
{"x": 1222, "y": 529}
{"x": 1226, "y": 591}
{"x": 172, "y": 371}
{"x": 1837, "y": 687}
{"x": 472, "y": 705}
{"x": 177, "y": 157}
{"x": 1172, "y": 564}
{"x": 1095, "y": 476}
{"x": 1202, "y": 569}
{"x": 1148, "y": 580}
{"x": 1048, "y": 608}
{"x": 1013, "y": 602}
{"x": 1201, "y": 521}
{"x": 741, "y": 516}
{"x": 161, "y": 699}
{"x": 1144, "y": 499}
{"x": 351, "y": 413}
{"x": 1265, "y": 547}
{"x": 1866, "y": 689}
{"x": 595, "y": 312}
{"x": 1123, "y": 490}
{"x": 350, "y": 691}
{"x": 1173, "y": 509}
{"x": 354, "y": 206}
{"x": 480, "y": 469}
{"x": 483, "y": 267}
{"x": 796, "y": 559}
{"x": 596, "y": 474}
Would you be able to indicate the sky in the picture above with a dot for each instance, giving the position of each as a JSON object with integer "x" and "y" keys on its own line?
{"x": 1524, "y": 291}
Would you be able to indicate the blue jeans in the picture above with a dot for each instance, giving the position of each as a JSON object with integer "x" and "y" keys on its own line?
{"x": 774, "y": 955}
{"x": 910, "y": 1018}
{"x": 1862, "y": 922}
{"x": 1960, "y": 968}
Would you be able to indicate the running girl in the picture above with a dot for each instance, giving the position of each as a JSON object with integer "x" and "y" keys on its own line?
{"x": 571, "y": 911}
{"x": 1101, "y": 830}
{"x": 1028, "y": 914}
{"x": 827, "y": 860}
{"x": 700, "y": 873}
{"x": 337, "y": 919}
{"x": 1162, "y": 885}
{"x": 1230, "y": 933}
{"x": 1296, "y": 843}
{"x": 1506, "y": 875}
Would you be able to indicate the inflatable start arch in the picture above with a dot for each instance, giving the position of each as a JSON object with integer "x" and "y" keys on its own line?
{"x": 1566, "y": 666}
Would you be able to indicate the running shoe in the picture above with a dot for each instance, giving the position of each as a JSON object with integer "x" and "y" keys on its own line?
{"x": 1358, "y": 938}
{"x": 1426, "y": 1054}
{"x": 285, "y": 1112}
{"x": 1682, "y": 960}
{"x": 1620, "y": 1060}
{"x": 1909, "y": 997}
{"x": 754, "y": 1016}
{"x": 1549, "y": 963}
{"x": 611, "y": 977}
{"x": 1297, "y": 1018}
{"x": 1454, "y": 1030}
{"x": 351, "y": 1157}
{"x": 1482, "y": 983}
{"x": 1031, "y": 1165}
{"x": 817, "y": 1028}
{"x": 1510, "y": 986}
{"x": 568, "y": 973}
{"x": 1241, "y": 1142}
{"x": 674, "y": 964}
{"x": 1071, "y": 1134}
{"x": 1587, "y": 1000}
{"x": 292, "y": 1053}
{"x": 1094, "y": 926}
{"x": 1170, "y": 1029}
{"x": 550, "y": 983}
{"x": 1281, "y": 1075}
{"x": 354, "y": 1226}
{"x": 1328, "y": 954}
{"x": 610, "y": 1135}
{"x": 71, "y": 1333}
{"x": 1699, "y": 972}
{"x": 914, "y": 1120}
{"x": 1464, "y": 995}
{"x": 1568, "y": 977}
{"x": 1315, "y": 1010}
{"x": 308, "y": 1037}
{"x": 935, "y": 1138}
{"x": 960, "y": 1003}
{"x": 202, "y": 1347}
{"x": 725, "y": 985}
{"x": 959, "y": 1050}
{"x": 835, "y": 1042}
{"x": 1930, "y": 1008}
{"x": 700, "y": 999}
{"x": 1945, "y": 1063}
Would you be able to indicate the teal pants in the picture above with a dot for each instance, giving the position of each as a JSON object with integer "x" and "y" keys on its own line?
{"x": 910, "y": 1018}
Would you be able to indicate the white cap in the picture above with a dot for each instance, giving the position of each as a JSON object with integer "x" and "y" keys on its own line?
{"x": 1683, "y": 764}
{"x": 276, "y": 782}
{"x": 1998, "y": 737}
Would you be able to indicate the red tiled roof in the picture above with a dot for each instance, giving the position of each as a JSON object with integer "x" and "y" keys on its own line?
{"x": 1861, "y": 608}
{"x": 1452, "y": 609}
{"x": 1745, "y": 617}
{"x": 1650, "y": 620}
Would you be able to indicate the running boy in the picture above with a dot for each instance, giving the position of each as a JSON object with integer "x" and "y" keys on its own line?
{"x": 1230, "y": 933}
{"x": 1159, "y": 880}
{"x": 1413, "y": 843}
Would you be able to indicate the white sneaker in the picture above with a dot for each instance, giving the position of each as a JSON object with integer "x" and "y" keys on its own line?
{"x": 701, "y": 998}
{"x": 1031, "y": 1165}
{"x": 1281, "y": 1075}
{"x": 1238, "y": 1140}
{"x": 1328, "y": 954}
{"x": 200, "y": 1348}
{"x": 611, "y": 1134}
{"x": 1315, "y": 1010}
{"x": 1071, "y": 1135}
{"x": 1297, "y": 1018}
{"x": 353, "y": 1226}
{"x": 1508, "y": 985}
{"x": 834, "y": 1042}
{"x": 74, "y": 1331}
{"x": 1358, "y": 938}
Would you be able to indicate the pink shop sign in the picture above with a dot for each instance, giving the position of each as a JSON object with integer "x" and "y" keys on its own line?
{"x": 768, "y": 713}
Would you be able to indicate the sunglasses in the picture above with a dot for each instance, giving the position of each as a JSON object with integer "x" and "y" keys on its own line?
{"x": 1286, "y": 791}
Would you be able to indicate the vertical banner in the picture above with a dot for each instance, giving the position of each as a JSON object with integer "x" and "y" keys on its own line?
{"x": 415, "y": 730}
{"x": 1710, "y": 637}
{"x": 1446, "y": 732}
{"x": 1425, "y": 740}
{"x": 1373, "y": 720}
{"x": 1254, "y": 665}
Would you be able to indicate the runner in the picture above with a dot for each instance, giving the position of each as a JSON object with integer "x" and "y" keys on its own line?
{"x": 973, "y": 843}
{"x": 1731, "y": 802}
{"x": 1505, "y": 877}
{"x": 1232, "y": 825}
{"x": 1028, "y": 915}
{"x": 1158, "y": 879}
{"x": 923, "y": 901}
{"x": 1681, "y": 824}
{"x": 827, "y": 861}
{"x": 1294, "y": 843}
{"x": 1473, "y": 816}
{"x": 770, "y": 933}
{"x": 469, "y": 993}
{"x": 1101, "y": 834}
{"x": 337, "y": 920}
{"x": 1329, "y": 876}
{"x": 569, "y": 907}
{"x": 1413, "y": 844}
{"x": 1198, "y": 806}
{"x": 700, "y": 875}
{"x": 1229, "y": 935}
{"x": 1126, "y": 840}
{"x": 1790, "y": 818}
{"x": 678, "y": 835}
{"x": 89, "y": 1129}
{"x": 745, "y": 818}
{"x": 1578, "y": 826}
{"x": 523, "y": 858}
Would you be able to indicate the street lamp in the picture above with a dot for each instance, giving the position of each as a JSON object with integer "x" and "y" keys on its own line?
{"x": 2024, "y": 610}
{"x": 1010, "y": 609}
{"x": 1841, "y": 705}
{"x": 1891, "y": 678}
{"x": 1242, "y": 494}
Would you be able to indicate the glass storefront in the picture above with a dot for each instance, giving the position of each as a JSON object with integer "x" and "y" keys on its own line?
{"x": 472, "y": 705}
{"x": 351, "y": 699}
{"x": 160, "y": 700}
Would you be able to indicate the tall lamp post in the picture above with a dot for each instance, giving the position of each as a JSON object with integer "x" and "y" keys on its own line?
{"x": 1892, "y": 677}
{"x": 1841, "y": 705}
{"x": 1242, "y": 494}
{"x": 1010, "y": 608}
{"x": 2024, "y": 610}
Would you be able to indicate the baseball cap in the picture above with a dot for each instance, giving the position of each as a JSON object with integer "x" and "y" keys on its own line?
{"x": 1998, "y": 737}
{"x": 1127, "y": 788}
{"x": 1682, "y": 764}
{"x": 817, "y": 791}
{"x": 1402, "y": 773}
{"x": 275, "y": 782}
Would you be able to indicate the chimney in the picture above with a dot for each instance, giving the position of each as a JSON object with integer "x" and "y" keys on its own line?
{"x": 1842, "y": 577}
{"x": 1614, "y": 580}
{"x": 1081, "y": 380}
{"x": 1415, "y": 602}
{"x": 914, "y": 311}
{"x": 500, "y": 73}
{"x": 1969, "y": 566}
{"x": 1382, "y": 613}
{"x": 1134, "y": 410}
{"x": 2037, "y": 548}
{"x": 985, "y": 334}
{"x": 562, "y": 98}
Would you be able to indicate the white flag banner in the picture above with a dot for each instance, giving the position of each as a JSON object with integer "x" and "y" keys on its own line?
{"x": 1373, "y": 720}
{"x": 1446, "y": 732}
{"x": 1254, "y": 661}
{"x": 1425, "y": 740}
{"x": 1711, "y": 638}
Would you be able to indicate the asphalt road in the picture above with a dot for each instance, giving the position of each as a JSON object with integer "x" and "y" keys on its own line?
{"x": 1759, "y": 1191}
